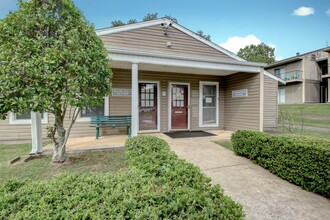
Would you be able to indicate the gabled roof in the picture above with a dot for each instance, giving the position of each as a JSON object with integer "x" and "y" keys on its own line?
{"x": 167, "y": 22}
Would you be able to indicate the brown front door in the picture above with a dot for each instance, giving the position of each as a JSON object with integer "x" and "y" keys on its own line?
{"x": 148, "y": 106}
{"x": 179, "y": 106}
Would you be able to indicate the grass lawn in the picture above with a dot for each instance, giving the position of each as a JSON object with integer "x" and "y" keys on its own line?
{"x": 226, "y": 144}
{"x": 38, "y": 169}
{"x": 314, "y": 115}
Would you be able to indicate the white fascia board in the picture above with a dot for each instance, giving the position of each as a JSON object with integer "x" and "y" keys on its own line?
{"x": 182, "y": 63}
{"x": 180, "y": 57}
{"x": 129, "y": 27}
{"x": 274, "y": 77}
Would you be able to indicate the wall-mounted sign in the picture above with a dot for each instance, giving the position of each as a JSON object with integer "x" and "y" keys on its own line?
{"x": 239, "y": 93}
{"x": 121, "y": 92}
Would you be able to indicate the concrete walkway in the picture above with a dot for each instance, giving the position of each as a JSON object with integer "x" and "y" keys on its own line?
{"x": 262, "y": 194}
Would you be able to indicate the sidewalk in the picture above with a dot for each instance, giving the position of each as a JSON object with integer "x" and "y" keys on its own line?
{"x": 262, "y": 194}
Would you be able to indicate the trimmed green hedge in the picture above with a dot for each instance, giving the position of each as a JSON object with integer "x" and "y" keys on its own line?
{"x": 202, "y": 199}
{"x": 303, "y": 161}
{"x": 158, "y": 185}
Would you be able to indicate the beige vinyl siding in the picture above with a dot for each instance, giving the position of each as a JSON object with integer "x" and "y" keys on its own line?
{"x": 329, "y": 68}
{"x": 153, "y": 39}
{"x": 234, "y": 113}
{"x": 293, "y": 93}
{"x": 16, "y": 132}
{"x": 311, "y": 67}
{"x": 270, "y": 103}
{"x": 122, "y": 79}
{"x": 242, "y": 112}
{"x": 22, "y": 132}
{"x": 312, "y": 91}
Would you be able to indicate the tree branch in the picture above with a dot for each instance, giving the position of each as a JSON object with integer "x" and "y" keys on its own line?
{"x": 74, "y": 118}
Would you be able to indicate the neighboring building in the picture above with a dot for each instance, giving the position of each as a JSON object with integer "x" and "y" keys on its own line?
{"x": 168, "y": 78}
{"x": 307, "y": 77}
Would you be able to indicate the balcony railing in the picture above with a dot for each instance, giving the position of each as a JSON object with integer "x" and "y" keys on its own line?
{"x": 295, "y": 75}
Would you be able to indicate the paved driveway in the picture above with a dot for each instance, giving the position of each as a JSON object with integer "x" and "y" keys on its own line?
{"x": 262, "y": 194}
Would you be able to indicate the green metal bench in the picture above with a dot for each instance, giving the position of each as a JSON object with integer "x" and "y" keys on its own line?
{"x": 111, "y": 122}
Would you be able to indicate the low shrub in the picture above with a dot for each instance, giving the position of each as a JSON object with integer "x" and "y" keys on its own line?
{"x": 158, "y": 185}
{"x": 202, "y": 199}
{"x": 304, "y": 161}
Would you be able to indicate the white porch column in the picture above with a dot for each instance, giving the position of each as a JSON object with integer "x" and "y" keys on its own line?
{"x": 36, "y": 133}
{"x": 106, "y": 106}
{"x": 135, "y": 100}
{"x": 261, "y": 114}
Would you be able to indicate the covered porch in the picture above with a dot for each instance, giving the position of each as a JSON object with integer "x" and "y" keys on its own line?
{"x": 165, "y": 93}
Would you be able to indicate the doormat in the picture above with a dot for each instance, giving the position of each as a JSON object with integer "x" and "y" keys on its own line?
{"x": 188, "y": 134}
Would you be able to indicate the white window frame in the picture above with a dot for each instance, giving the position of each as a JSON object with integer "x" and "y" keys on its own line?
{"x": 158, "y": 109}
{"x": 14, "y": 121}
{"x": 106, "y": 111}
{"x": 201, "y": 84}
{"x": 279, "y": 96}
{"x": 169, "y": 108}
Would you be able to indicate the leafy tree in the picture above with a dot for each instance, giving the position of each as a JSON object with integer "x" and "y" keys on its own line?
{"x": 51, "y": 61}
{"x": 154, "y": 16}
{"x": 257, "y": 53}
{"x": 171, "y": 18}
{"x": 117, "y": 23}
{"x": 150, "y": 17}
{"x": 132, "y": 21}
{"x": 201, "y": 33}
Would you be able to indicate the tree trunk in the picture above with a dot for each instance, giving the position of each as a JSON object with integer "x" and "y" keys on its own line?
{"x": 59, "y": 145}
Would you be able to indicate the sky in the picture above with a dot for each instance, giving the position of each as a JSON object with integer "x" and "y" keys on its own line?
{"x": 290, "y": 26}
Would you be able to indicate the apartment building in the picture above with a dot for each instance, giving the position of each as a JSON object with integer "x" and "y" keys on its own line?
{"x": 307, "y": 77}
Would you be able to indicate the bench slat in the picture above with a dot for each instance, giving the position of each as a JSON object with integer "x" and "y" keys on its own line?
{"x": 111, "y": 121}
